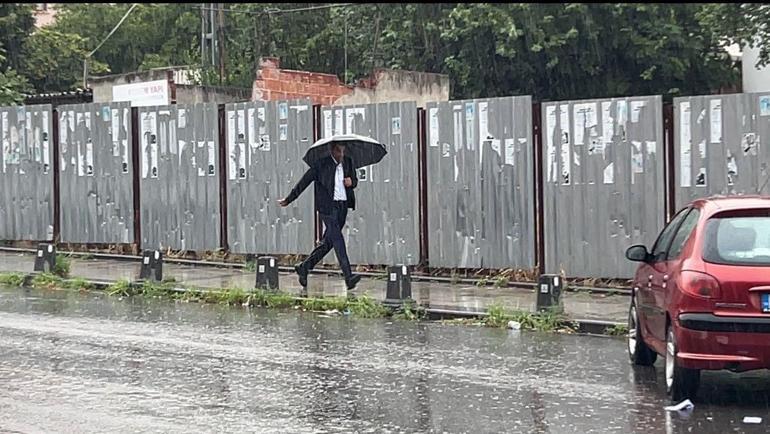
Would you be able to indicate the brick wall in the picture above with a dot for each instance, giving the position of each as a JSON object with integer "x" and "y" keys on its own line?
{"x": 273, "y": 84}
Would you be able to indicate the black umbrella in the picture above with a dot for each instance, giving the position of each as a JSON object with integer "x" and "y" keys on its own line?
{"x": 364, "y": 151}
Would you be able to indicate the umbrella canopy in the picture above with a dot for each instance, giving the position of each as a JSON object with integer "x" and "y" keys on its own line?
{"x": 364, "y": 151}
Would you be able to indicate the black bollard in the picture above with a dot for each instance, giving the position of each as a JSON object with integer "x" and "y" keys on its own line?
{"x": 549, "y": 291}
{"x": 399, "y": 284}
{"x": 267, "y": 273}
{"x": 152, "y": 265}
{"x": 46, "y": 255}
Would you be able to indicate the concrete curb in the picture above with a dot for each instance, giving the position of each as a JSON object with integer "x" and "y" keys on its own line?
{"x": 290, "y": 270}
{"x": 583, "y": 326}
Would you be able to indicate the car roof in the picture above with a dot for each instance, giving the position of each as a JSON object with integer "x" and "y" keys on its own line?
{"x": 715, "y": 204}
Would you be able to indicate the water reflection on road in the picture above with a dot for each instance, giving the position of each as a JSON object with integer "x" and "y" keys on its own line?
{"x": 84, "y": 362}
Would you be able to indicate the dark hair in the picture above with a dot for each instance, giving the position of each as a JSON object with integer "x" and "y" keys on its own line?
{"x": 333, "y": 145}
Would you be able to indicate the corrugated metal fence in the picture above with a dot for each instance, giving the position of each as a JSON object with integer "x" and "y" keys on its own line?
{"x": 718, "y": 145}
{"x": 265, "y": 145}
{"x": 26, "y": 173}
{"x": 604, "y": 186}
{"x": 179, "y": 181}
{"x": 378, "y": 233}
{"x": 480, "y": 183}
{"x": 96, "y": 173}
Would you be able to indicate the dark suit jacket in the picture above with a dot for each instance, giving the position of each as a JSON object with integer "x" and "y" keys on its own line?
{"x": 322, "y": 174}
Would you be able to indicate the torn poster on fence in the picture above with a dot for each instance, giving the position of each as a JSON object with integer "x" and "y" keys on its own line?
{"x": 241, "y": 126}
{"x": 700, "y": 181}
{"x": 622, "y": 110}
{"x": 637, "y": 159}
{"x": 231, "y": 132}
{"x": 181, "y": 118}
{"x": 352, "y": 114}
{"x": 149, "y": 145}
{"x": 299, "y": 108}
{"x": 732, "y": 168}
{"x": 264, "y": 142}
{"x": 750, "y": 144}
{"x": 651, "y": 146}
{"x": 609, "y": 174}
{"x": 445, "y": 150}
{"x": 565, "y": 144}
{"x": 596, "y": 146}
{"x": 395, "y": 126}
{"x": 433, "y": 130}
{"x": 550, "y": 148}
{"x": 89, "y": 158}
{"x": 483, "y": 122}
{"x": 470, "y": 115}
{"x": 283, "y": 111}
{"x": 636, "y": 110}
{"x": 338, "y": 123}
{"x": 283, "y": 132}
{"x": 115, "y": 132}
{"x": 212, "y": 158}
{"x": 237, "y": 162}
{"x": 328, "y": 126}
{"x": 702, "y": 149}
{"x": 252, "y": 139}
{"x": 607, "y": 126}
{"x": 715, "y": 115}
{"x": 764, "y": 105}
{"x": 685, "y": 145}
{"x": 584, "y": 119}
{"x": 510, "y": 151}
{"x": 458, "y": 130}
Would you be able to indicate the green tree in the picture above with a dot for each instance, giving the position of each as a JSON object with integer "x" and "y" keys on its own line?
{"x": 16, "y": 24}
{"x": 153, "y": 34}
{"x": 48, "y": 50}
{"x": 745, "y": 24}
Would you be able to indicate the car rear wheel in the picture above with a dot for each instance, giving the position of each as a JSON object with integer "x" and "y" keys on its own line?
{"x": 681, "y": 383}
{"x": 638, "y": 351}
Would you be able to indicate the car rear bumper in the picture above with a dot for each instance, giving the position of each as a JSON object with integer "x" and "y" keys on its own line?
{"x": 707, "y": 341}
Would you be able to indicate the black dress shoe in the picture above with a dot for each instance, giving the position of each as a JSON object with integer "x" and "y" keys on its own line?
{"x": 302, "y": 275}
{"x": 353, "y": 281}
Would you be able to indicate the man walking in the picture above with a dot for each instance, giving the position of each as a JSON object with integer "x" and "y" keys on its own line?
{"x": 335, "y": 178}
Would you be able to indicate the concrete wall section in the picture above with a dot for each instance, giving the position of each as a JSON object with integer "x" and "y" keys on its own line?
{"x": 384, "y": 228}
{"x": 265, "y": 145}
{"x": 604, "y": 186}
{"x": 179, "y": 177}
{"x": 721, "y": 146}
{"x": 26, "y": 173}
{"x": 480, "y": 183}
{"x": 96, "y": 174}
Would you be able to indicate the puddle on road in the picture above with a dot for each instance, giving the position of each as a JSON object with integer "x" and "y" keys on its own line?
{"x": 72, "y": 361}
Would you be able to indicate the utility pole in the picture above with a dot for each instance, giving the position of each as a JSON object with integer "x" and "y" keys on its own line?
{"x": 221, "y": 41}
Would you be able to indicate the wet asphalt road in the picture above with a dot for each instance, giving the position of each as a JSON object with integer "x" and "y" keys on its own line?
{"x": 88, "y": 363}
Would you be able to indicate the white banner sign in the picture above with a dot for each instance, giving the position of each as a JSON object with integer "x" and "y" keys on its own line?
{"x": 147, "y": 93}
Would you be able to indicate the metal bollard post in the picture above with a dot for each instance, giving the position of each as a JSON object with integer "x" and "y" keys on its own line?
{"x": 399, "y": 284}
{"x": 152, "y": 265}
{"x": 267, "y": 273}
{"x": 46, "y": 254}
{"x": 549, "y": 292}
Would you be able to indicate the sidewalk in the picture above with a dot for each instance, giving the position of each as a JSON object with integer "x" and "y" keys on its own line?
{"x": 467, "y": 298}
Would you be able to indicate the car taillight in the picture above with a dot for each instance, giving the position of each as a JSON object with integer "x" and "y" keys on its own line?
{"x": 699, "y": 284}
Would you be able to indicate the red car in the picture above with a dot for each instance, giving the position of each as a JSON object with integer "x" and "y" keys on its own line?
{"x": 701, "y": 297}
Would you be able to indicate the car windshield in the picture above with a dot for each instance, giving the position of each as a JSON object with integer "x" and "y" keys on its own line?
{"x": 738, "y": 240}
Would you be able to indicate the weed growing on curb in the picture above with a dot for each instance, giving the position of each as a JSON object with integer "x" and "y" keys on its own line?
{"x": 617, "y": 330}
{"x": 121, "y": 288}
{"x": 61, "y": 267}
{"x": 410, "y": 312}
{"x": 548, "y": 321}
{"x": 46, "y": 281}
{"x": 78, "y": 284}
{"x": 366, "y": 307}
{"x": 11, "y": 279}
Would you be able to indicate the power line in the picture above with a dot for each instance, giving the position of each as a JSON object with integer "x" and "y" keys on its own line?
{"x": 280, "y": 11}
{"x": 85, "y": 59}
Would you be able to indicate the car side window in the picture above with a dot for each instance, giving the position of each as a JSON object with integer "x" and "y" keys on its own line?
{"x": 660, "y": 248}
{"x": 683, "y": 234}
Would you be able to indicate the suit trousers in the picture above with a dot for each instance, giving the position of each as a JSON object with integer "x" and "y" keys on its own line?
{"x": 332, "y": 239}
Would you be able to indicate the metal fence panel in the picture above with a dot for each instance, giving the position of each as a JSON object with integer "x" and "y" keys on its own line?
{"x": 179, "y": 183}
{"x": 265, "y": 145}
{"x": 718, "y": 146}
{"x": 96, "y": 174}
{"x": 604, "y": 186}
{"x": 480, "y": 183}
{"x": 26, "y": 173}
{"x": 384, "y": 228}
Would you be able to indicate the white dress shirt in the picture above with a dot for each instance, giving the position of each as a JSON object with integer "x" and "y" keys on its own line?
{"x": 339, "y": 183}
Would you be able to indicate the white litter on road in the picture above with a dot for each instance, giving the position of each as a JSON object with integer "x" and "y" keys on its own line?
{"x": 753, "y": 420}
{"x": 514, "y": 325}
{"x": 683, "y": 406}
